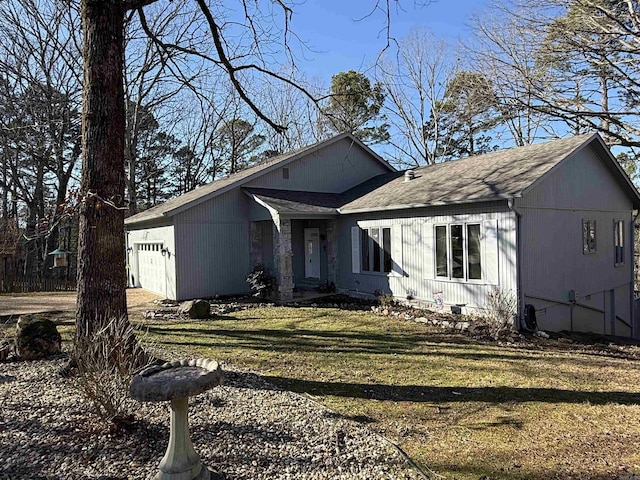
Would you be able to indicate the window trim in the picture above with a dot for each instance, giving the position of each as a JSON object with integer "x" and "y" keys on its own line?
{"x": 465, "y": 253}
{"x": 616, "y": 223}
{"x": 588, "y": 249}
{"x": 370, "y": 250}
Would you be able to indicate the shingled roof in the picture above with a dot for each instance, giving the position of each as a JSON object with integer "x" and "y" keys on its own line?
{"x": 220, "y": 186}
{"x": 493, "y": 176}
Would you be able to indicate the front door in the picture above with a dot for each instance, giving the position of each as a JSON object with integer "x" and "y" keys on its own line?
{"x": 312, "y": 253}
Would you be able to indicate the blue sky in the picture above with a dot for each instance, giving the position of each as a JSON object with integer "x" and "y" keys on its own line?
{"x": 341, "y": 42}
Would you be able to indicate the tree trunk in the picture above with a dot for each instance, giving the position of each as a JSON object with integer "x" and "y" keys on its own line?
{"x": 101, "y": 249}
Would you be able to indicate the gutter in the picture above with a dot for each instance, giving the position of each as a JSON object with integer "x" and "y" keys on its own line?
{"x": 407, "y": 206}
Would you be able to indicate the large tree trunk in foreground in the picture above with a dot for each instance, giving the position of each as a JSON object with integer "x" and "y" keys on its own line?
{"x": 101, "y": 250}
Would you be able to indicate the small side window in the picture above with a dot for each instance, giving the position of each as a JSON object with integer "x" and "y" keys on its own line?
{"x": 589, "y": 236}
{"x": 285, "y": 173}
{"x": 618, "y": 241}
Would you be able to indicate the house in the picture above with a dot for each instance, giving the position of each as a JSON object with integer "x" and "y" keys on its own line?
{"x": 551, "y": 224}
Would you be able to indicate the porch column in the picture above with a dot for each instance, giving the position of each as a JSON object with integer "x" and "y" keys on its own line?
{"x": 255, "y": 232}
{"x": 283, "y": 257}
{"x": 332, "y": 251}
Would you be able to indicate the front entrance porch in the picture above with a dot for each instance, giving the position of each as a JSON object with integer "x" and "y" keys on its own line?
{"x": 294, "y": 235}
{"x": 301, "y": 253}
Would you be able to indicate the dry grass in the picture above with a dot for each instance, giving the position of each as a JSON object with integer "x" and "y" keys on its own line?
{"x": 461, "y": 409}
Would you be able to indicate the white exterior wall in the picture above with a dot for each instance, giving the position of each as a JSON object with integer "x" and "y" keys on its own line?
{"x": 553, "y": 262}
{"x": 164, "y": 235}
{"x": 332, "y": 169}
{"x": 416, "y": 255}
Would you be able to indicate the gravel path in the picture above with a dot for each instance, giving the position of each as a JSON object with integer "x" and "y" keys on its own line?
{"x": 245, "y": 429}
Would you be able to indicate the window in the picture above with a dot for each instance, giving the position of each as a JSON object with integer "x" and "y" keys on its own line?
{"x": 474, "y": 252}
{"x": 618, "y": 241}
{"x": 458, "y": 251}
{"x": 442, "y": 267}
{"x": 375, "y": 250}
{"x": 285, "y": 173}
{"x": 588, "y": 236}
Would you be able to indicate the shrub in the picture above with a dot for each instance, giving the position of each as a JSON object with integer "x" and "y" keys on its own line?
{"x": 262, "y": 283}
{"x": 105, "y": 364}
{"x": 387, "y": 301}
{"x": 501, "y": 309}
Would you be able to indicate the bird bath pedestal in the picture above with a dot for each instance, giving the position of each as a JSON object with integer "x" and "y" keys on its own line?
{"x": 176, "y": 382}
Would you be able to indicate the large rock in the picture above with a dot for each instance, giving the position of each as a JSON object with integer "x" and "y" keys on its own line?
{"x": 195, "y": 309}
{"x": 37, "y": 338}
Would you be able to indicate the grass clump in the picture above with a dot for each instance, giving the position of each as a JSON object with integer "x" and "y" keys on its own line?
{"x": 105, "y": 364}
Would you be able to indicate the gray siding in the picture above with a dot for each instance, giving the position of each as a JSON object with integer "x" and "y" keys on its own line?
{"x": 213, "y": 247}
{"x": 553, "y": 263}
{"x": 212, "y": 238}
{"x": 416, "y": 258}
{"x": 334, "y": 169}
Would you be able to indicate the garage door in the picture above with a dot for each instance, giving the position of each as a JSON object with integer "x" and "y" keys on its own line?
{"x": 151, "y": 268}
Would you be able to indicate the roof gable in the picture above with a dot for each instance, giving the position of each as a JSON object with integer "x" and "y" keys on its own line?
{"x": 218, "y": 187}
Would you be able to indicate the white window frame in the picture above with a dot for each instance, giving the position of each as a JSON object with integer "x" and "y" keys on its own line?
{"x": 618, "y": 224}
{"x": 589, "y": 246}
{"x": 370, "y": 240}
{"x": 465, "y": 255}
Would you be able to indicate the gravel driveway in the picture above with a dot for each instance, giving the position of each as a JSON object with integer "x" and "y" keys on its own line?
{"x": 40, "y": 302}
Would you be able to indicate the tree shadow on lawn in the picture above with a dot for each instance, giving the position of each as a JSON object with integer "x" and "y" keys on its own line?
{"x": 305, "y": 340}
{"x": 420, "y": 393}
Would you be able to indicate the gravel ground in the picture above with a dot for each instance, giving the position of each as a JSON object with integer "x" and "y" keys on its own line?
{"x": 245, "y": 429}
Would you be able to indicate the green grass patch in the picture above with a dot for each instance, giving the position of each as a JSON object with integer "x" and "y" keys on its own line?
{"x": 461, "y": 409}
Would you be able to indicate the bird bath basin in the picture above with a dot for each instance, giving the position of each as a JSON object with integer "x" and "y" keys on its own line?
{"x": 176, "y": 382}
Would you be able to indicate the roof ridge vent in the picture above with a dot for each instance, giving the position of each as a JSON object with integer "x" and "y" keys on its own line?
{"x": 409, "y": 175}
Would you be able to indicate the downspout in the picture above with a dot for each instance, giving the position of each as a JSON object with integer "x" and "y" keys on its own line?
{"x": 518, "y": 214}
{"x": 632, "y": 233}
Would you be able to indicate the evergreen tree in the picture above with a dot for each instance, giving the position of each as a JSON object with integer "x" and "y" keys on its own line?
{"x": 354, "y": 107}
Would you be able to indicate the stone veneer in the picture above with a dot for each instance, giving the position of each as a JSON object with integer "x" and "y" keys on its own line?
{"x": 255, "y": 232}
{"x": 332, "y": 250}
{"x": 283, "y": 257}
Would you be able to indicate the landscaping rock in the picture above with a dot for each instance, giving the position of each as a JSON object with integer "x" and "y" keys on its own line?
{"x": 37, "y": 338}
{"x": 195, "y": 309}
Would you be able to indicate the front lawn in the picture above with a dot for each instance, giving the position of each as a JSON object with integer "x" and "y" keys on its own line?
{"x": 461, "y": 409}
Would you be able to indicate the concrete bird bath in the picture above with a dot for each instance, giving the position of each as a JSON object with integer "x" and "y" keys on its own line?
{"x": 176, "y": 382}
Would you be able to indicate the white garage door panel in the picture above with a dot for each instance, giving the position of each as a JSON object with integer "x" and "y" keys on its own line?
{"x": 151, "y": 268}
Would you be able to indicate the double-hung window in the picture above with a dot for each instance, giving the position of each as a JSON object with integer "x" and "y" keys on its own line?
{"x": 618, "y": 240}
{"x": 458, "y": 251}
{"x": 375, "y": 249}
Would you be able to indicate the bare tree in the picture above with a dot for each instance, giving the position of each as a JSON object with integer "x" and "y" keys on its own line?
{"x": 415, "y": 78}
{"x": 41, "y": 121}
{"x": 505, "y": 52}
{"x": 150, "y": 85}
{"x": 584, "y": 63}
{"x": 291, "y": 108}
